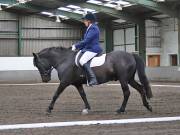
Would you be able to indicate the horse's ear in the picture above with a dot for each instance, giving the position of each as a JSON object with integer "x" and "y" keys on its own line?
{"x": 35, "y": 55}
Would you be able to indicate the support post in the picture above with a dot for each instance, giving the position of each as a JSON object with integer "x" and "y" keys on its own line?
{"x": 141, "y": 39}
{"x": 136, "y": 38}
{"x": 108, "y": 36}
{"x": 124, "y": 31}
{"x": 19, "y": 36}
{"x": 178, "y": 41}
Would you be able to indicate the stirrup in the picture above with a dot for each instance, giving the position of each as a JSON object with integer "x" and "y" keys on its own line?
{"x": 94, "y": 83}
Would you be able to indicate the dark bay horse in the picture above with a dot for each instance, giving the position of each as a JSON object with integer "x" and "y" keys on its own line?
{"x": 118, "y": 65}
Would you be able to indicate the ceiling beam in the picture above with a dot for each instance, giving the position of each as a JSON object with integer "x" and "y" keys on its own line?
{"x": 151, "y": 14}
{"x": 160, "y": 7}
{"x": 38, "y": 9}
{"x": 70, "y": 15}
{"x": 8, "y": 1}
{"x": 113, "y": 12}
{"x": 15, "y": 4}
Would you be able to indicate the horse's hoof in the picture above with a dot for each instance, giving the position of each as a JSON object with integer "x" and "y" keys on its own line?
{"x": 149, "y": 108}
{"x": 48, "y": 111}
{"x": 119, "y": 111}
{"x": 84, "y": 112}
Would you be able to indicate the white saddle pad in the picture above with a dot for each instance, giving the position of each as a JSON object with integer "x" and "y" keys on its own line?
{"x": 98, "y": 61}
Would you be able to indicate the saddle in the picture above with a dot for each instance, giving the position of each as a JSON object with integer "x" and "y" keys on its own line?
{"x": 99, "y": 60}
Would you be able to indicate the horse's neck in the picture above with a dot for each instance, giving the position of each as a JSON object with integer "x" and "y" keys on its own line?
{"x": 61, "y": 58}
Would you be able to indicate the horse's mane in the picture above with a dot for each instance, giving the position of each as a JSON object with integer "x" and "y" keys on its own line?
{"x": 57, "y": 49}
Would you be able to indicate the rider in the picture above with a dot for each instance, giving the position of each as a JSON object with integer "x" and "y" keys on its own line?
{"x": 89, "y": 46}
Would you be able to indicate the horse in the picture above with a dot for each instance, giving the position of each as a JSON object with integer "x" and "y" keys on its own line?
{"x": 119, "y": 66}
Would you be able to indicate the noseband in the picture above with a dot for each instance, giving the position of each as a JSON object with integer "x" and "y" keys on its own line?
{"x": 45, "y": 72}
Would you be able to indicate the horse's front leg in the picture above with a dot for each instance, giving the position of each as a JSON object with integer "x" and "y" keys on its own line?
{"x": 60, "y": 89}
{"x": 83, "y": 96}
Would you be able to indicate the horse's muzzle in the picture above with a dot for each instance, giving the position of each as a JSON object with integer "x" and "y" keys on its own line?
{"x": 46, "y": 78}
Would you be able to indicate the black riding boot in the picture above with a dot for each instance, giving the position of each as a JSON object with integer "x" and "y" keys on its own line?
{"x": 90, "y": 74}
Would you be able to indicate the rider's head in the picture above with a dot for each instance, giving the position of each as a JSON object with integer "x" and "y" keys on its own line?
{"x": 88, "y": 19}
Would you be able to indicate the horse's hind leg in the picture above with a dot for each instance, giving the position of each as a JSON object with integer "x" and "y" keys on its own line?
{"x": 83, "y": 96}
{"x": 126, "y": 93}
{"x": 140, "y": 89}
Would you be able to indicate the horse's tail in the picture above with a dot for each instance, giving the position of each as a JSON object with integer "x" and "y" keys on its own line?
{"x": 140, "y": 66}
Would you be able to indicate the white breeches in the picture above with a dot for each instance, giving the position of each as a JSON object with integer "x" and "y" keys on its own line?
{"x": 86, "y": 57}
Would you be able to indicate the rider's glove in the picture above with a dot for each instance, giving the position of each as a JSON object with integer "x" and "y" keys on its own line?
{"x": 73, "y": 47}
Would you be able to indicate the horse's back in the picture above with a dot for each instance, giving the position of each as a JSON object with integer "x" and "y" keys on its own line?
{"x": 121, "y": 58}
{"x": 118, "y": 63}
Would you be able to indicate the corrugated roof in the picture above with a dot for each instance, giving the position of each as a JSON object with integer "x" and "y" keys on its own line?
{"x": 49, "y": 7}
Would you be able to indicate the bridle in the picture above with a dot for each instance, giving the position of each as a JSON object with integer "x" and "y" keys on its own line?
{"x": 45, "y": 72}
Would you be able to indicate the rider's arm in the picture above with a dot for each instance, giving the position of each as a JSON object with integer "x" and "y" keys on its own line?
{"x": 90, "y": 36}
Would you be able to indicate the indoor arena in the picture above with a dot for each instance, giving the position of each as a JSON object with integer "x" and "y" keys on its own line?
{"x": 129, "y": 85}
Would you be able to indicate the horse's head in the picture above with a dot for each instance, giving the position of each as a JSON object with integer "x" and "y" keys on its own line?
{"x": 43, "y": 66}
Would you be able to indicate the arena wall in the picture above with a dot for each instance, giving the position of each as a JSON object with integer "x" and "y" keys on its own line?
{"x": 22, "y": 70}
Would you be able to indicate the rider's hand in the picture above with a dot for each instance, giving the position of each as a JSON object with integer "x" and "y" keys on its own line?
{"x": 73, "y": 48}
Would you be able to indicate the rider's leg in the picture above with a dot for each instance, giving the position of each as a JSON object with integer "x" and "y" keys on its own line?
{"x": 83, "y": 61}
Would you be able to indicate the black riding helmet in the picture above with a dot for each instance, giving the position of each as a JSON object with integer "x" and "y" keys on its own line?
{"x": 90, "y": 17}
